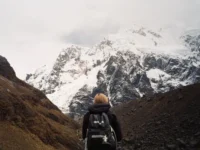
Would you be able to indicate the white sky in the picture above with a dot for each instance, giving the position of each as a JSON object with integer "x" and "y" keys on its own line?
{"x": 33, "y": 32}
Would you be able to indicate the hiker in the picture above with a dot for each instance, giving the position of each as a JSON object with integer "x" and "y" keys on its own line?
{"x": 101, "y": 129}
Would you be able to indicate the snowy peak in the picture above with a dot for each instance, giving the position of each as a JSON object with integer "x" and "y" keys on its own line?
{"x": 142, "y": 40}
{"x": 138, "y": 37}
{"x": 74, "y": 68}
{"x": 126, "y": 66}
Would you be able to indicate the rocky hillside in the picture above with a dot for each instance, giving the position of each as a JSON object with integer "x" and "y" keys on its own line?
{"x": 28, "y": 120}
{"x": 126, "y": 66}
{"x": 168, "y": 121}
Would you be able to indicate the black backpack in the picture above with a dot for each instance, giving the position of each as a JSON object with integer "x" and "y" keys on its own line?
{"x": 100, "y": 134}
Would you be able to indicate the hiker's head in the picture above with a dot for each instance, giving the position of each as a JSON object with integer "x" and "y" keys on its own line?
{"x": 100, "y": 99}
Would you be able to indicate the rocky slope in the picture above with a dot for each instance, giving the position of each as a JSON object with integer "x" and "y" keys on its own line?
{"x": 168, "y": 121}
{"x": 28, "y": 120}
{"x": 127, "y": 66}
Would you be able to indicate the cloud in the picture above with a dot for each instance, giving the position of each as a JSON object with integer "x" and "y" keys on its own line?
{"x": 90, "y": 35}
{"x": 40, "y": 28}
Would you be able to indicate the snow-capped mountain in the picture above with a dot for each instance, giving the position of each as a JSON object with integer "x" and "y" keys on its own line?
{"x": 127, "y": 65}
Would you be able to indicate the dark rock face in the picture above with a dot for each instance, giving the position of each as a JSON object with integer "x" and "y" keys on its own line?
{"x": 6, "y": 70}
{"x": 80, "y": 103}
{"x": 118, "y": 78}
{"x": 125, "y": 78}
{"x": 193, "y": 42}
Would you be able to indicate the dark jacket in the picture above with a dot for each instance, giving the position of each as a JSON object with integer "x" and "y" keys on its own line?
{"x": 99, "y": 108}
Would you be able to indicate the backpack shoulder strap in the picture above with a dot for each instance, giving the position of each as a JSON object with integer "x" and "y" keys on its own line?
{"x": 105, "y": 115}
{"x": 110, "y": 117}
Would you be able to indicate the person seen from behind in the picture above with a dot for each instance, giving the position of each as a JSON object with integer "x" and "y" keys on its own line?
{"x": 101, "y": 129}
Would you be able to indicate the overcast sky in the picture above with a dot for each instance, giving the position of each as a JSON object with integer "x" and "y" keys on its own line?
{"x": 33, "y": 32}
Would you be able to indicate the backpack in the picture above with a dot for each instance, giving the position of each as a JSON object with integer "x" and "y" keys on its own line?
{"x": 100, "y": 134}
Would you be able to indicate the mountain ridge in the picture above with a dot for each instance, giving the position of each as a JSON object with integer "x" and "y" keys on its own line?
{"x": 127, "y": 65}
{"x": 28, "y": 120}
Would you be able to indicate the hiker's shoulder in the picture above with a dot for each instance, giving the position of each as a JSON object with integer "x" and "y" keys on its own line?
{"x": 111, "y": 115}
{"x": 87, "y": 114}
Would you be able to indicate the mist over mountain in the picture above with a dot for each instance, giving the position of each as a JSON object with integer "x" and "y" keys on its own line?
{"x": 131, "y": 64}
